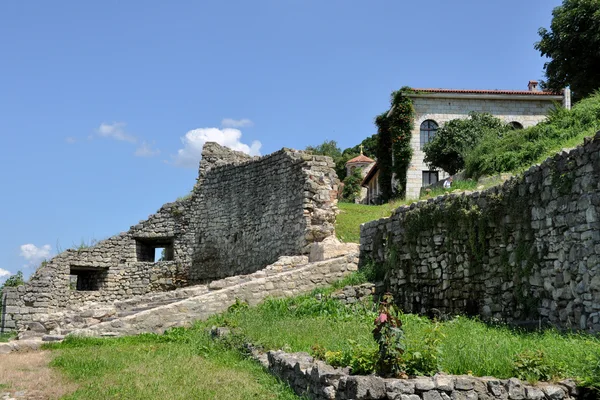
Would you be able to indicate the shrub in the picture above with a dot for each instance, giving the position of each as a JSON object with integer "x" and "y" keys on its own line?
{"x": 534, "y": 366}
{"x": 448, "y": 149}
{"x": 352, "y": 186}
{"x": 390, "y": 339}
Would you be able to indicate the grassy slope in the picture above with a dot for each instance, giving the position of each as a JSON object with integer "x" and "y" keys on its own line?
{"x": 351, "y": 216}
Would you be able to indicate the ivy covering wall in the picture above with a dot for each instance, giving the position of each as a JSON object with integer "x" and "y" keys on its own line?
{"x": 393, "y": 148}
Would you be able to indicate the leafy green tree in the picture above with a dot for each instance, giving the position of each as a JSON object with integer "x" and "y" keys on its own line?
{"x": 448, "y": 149}
{"x": 573, "y": 46}
{"x": 327, "y": 148}
{"x": 14, "y": 281}
{"x": 352, "y": 186}
{"x": 369, "y": 147}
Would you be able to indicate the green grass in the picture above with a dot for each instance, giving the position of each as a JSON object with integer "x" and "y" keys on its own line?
{"x": 351, "y": 216}
{"x": 184, "y": 364}
{"x": 466, "y": 345}
{"x": 5, "y": 337}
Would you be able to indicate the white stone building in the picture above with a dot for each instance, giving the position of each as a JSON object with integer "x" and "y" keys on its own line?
{"x": 435, "y": 107}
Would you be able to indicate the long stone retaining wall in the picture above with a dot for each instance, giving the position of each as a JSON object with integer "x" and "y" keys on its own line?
{"x": 527, "y": 251}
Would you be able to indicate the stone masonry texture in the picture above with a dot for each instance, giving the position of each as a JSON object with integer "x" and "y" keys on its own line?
{"x": 524, "y": 252}
{"x": 242, "y": 215}
{"x": 317, "y": 380}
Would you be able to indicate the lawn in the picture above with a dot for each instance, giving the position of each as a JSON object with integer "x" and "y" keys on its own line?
{"x": 183, "y": 364}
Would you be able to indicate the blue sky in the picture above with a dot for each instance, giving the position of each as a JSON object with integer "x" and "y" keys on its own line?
{"x": 104, "y": 105}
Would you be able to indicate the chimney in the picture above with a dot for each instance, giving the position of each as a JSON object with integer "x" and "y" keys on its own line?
{"x": 567, "y": 98}
{"x": 532, "y": 86}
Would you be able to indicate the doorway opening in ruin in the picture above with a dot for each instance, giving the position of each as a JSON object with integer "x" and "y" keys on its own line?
{"x": 154, "y": 249}
{"x": 87, "y": 278}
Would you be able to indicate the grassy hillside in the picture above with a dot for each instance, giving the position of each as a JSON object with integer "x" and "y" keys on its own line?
{"x": 517, "y": 150}
{"x": 351, "y": 216}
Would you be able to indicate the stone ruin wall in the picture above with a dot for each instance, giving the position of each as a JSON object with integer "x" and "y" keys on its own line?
{"x": 252, "y": 212}
{"x": 524, "y": 252}
{"x": 243, "y": 213}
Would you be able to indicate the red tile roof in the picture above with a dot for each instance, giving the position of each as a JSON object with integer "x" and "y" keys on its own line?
{"x": 480, "y": 91}
{"x": 360, "y": 159}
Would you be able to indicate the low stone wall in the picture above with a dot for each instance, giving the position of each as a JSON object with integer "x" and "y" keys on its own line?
{"x": 320, "y": 381}
{"x": 259, "y": 286}
{"x": 524, "y": 252}
{"x": 355, "y": 294}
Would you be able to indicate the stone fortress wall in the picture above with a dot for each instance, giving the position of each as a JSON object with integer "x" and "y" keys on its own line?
{"x": 243, "y": 214}
{"x": 527, "y": 251}
{"x": 442, "y": 107}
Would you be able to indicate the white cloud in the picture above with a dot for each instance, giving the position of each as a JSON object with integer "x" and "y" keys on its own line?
{"x": 193, "y": 141}
{"x": 236, "y": 123}
{"x": 4, "y": 274}
{"x": 70, "y": 140}
{"x": 116, "y": 131}
{"x": 34, "y": 255}
{"x": 146, "y": 150}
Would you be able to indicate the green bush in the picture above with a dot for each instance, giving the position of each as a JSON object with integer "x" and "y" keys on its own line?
{"x": 452, "y": 142}
{"x": 517, "y": 150}
{"x": 533, "y": 366}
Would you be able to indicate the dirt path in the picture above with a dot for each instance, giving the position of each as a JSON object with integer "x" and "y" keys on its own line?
{"x": 26, "y": 375}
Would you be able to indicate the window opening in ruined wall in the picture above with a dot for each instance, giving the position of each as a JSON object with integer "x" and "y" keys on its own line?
{"x": 154, "y": 249}
{"x": 428, "y": 129}
{"x": 87, "y": 278}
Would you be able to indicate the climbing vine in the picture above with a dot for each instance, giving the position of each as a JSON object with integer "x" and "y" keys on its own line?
{"x": 393, "y": 148}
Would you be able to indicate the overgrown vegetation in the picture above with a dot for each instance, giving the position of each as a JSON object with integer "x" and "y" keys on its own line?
{"x": 518, "y": 149}
{"x": 343, "y": 336}
{"x": 572, "y": 45}
{"x": 394, "y": 151}
{"x": 352, "y": 186}
{"x": 452, "y": 142}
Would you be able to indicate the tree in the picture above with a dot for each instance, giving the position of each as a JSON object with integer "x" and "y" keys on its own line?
{"x": 448, "y": 149}
{"x": 369, "y": 147}
{"x": 327, "y": 148}
{"x": 573, "y": 45}
{"x": 13, "y": 281}
{"x": 352, "y": 186}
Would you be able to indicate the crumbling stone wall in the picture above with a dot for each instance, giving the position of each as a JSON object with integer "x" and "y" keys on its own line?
{"x": 252, "y": 212}
{"x": 243, "y": 214}
{"x": 526, "y": 251}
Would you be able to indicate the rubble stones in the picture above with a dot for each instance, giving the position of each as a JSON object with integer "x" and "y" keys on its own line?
{"x": 313, "y": 379}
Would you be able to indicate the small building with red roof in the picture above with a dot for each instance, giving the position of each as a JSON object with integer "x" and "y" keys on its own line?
{"x": 365, "y": 164}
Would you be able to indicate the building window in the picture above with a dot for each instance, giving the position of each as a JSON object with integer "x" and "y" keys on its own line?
{"x": 428, "y": 130}
{"x": 515, "y": 125}
{"x": 430, "y": 177}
